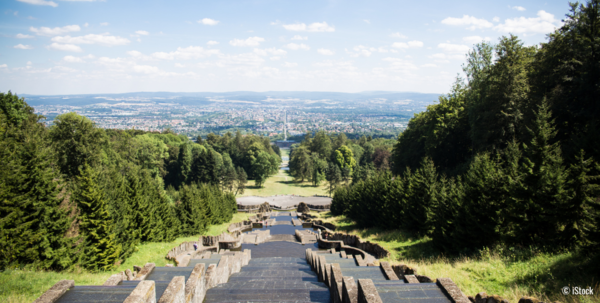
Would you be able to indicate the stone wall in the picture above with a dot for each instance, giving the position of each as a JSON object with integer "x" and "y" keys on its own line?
{"x": 355, "y": 241}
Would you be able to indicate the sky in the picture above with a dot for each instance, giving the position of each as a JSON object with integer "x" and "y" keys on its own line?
{"x": 118, "y": 46}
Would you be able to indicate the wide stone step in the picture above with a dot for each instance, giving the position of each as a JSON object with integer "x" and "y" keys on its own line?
{"x": 96, "y": 294}
{"x": 277, "y": 260}
{"x": 422, "y": 292}
{"x": 263, "y": 268}
{"x": 167, "y": 273}
{"x": 272, "y": 284}
{"x": 267, "y": 295}
{"x": 282, "y": 264}
{"x": 251, "y": 278}
{"x": 193, "y": 262}
{"x": 276, "y": 273}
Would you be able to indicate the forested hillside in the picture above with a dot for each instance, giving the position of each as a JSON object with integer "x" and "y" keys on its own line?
{"x": 73, "y": 194}
{"x": 509, "y": 156}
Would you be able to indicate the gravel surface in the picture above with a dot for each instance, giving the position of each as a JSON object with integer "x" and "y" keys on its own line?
{"x": 283, "y": 200}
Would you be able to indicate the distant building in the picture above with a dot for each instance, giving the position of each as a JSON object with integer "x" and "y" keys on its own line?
{"x": 284, "y": 143}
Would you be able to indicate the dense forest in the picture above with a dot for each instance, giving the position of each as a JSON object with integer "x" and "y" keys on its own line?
{"x": 73, "y": 194}
{"x": 337, "y": 159}
{"x": 508, "y": 157}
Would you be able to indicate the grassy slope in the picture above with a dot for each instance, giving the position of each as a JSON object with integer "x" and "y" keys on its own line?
{"x": 26, "y": 286}
{"x": 541, "y": 275}
{"x": 283, "y": 184}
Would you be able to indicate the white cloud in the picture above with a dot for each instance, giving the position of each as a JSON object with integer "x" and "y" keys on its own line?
{"x": 398, "y": 64}
{"x": 313, "y": 27}
{"x": 40, "y": 2}
{"x": 21, "y": 46}
{"x": 298, "y": 37}
{"x": 468, "y": 20}
{"x": 519, "y": 8}
{"x": 275, "y": 58}
{"x": 212, "y": 42}
{"x": 429, "y": 65}
{"x": 86, "y": 24}
{"x": 72, "y": 59}
{"x": 179, "y": 65}
{"x": 290, "y": 64}
{"x": 102, "y": 39}
{"x": 22, "y": 36}
{"x": 367, "y": 21}
{"x": 454, "y": 48}
{"x": 104, "y": 24}
{"x": 475, "y": 39}
{"x": 3, "y": 66}
{"x": 29, "y": 63}
{"x": 397, "y": 35}
{"x": 142, "y": 33}
{"x": 46, "y": 31}
{"x": 270, "y": 51}
{"x": 139, "y": 56}
{"x": 409, "y": 44}
{"x": 190, "y": 52}
{"x": 325, "y": 52}
{"x": 251, "y": 41}
{"x": 146, "y": 69}
{"x": 543, "y": 24}
{"x": 294, "y": 46}
{"x": 208, "y": 21}
{"x": 496, "y": 19}
{"x": 65, "y": 47}
{"x": 361, "y": 50}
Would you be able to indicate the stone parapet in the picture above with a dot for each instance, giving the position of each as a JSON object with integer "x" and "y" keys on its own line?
{"x": 349, "y": 290}
{"x": 115, "y": 279}
{"x": 195, "y": 288}
{"x": 451, "y": 290}
{"x": 411, "y": 279}
{"x": 175, "y": 292}
{"x": 388, "y": 271}
{"x": 56, "y": 291}
{"x": 336, "y": 283}
{"x": 146, "y": 270}
{"x": 367, "y": 293}
{"x": 145, "y": 292}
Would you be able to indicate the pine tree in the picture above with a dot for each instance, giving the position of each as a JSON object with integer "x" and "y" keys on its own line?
{"x": 33, "y": 221}
{"x": 423, "y": 194}
{"x": 101, "y": 251}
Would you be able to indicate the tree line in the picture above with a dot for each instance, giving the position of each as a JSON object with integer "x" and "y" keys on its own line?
{"x": 73, "y": 194}
{"x": 338, "y": 160}
{"x": 509, "y": 156}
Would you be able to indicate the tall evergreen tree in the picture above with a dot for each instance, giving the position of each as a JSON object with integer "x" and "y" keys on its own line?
{"x": 101, "y": 251}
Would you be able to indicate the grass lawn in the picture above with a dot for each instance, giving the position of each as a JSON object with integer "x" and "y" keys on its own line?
{"x": 26, "y": 285}
{"x": 283, "y": 184}
{"x": 510, "y": 273}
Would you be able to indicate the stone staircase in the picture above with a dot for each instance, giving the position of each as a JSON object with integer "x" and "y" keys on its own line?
{"x": 350, "y": 280}
{"x": 278, "y": 279}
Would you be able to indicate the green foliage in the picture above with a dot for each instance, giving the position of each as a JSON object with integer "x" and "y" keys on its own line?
{"x": 77, "y": 142}
{"x": 101, "y": 249}
{"x": 512, "y": 138}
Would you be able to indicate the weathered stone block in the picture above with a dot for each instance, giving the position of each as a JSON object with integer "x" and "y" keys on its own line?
{"x": 388, "y": 271}
{"x": 481, "y": 297}
{"x": 145, "y": 292}
{"x": 175, "y": 292}
{"x": 335, "y": 282}
{"x": 450, "y": 289}
{"x": 528, "y": 300}
{"x": 367, "y": 293}
{"x": 410, "y": 279}
{"x": 195, "y": 287}
{"x": 360, "y": 261}
{"x": 55, "y": 292}
{"x": 115, "y": 279}
{"x": 424, "y": 279}
{"x": 349, "y": 290}
{"x": 343, "y": 254}
{"x": 327, "y": 276}
{"x": 142, "y": 274}
{"x": 210, "y": 277}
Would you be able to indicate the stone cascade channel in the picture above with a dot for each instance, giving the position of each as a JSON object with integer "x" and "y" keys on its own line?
{"x": 286, "y": 265}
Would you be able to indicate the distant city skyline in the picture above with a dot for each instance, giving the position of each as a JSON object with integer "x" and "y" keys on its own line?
{"x": 87, "y": 46}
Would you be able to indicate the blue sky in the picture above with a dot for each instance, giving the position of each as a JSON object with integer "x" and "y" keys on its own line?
{"x": 115, "y": 46}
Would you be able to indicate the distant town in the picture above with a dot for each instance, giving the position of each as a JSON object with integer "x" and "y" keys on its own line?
{"x": 371, "y": 116}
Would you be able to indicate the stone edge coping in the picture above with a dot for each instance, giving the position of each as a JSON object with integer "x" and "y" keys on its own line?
{"x": 339, "y": 244}
{"x": 367, "y": 292}
{"x": 192, "y": 291}
{"x": 56, "y": 291}
{"x": 451, "y": 290}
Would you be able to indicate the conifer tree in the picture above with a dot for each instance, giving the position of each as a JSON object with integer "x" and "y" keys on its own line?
{"x": 101, "y": 251}
{"x": 423, "y": 193}
{"x": 33, "y": 221}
